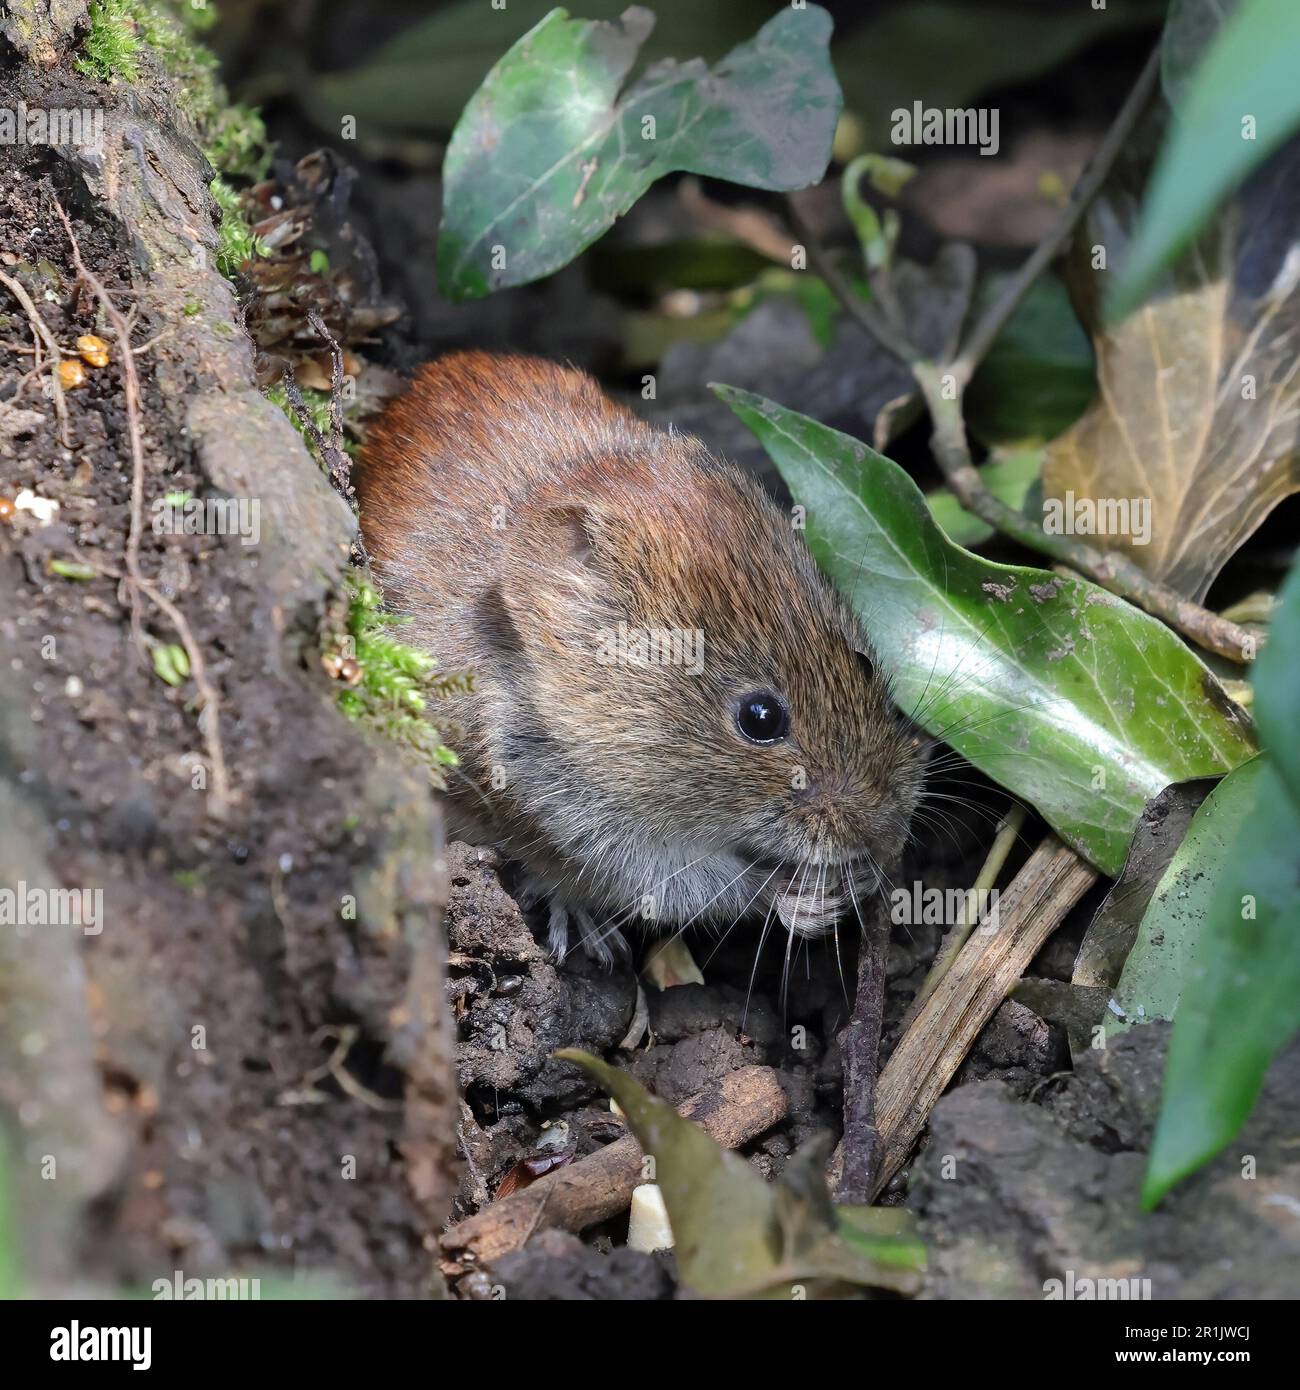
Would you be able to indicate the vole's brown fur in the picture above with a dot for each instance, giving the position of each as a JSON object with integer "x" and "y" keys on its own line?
{"x": 519, "y": 516}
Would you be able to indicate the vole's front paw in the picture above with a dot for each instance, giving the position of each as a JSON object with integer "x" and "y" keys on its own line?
{"x": 602, "y": 944}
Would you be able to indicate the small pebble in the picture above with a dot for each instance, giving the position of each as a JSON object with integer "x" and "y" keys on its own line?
{"x": 647, "y": 1226}
{"x": 42, "y": 508}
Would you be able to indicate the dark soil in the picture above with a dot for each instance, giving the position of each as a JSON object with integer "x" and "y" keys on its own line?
{"x": 1013, "y": 1196}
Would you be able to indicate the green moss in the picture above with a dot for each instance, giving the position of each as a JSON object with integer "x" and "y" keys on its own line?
{"x": 112, "y": 46}
{"x": 396, "y": 683}
{"x": 236, "y": 242}
{"x": 198, "y": 16}
{"x": 237, "y": 144}
{"x": 125, "y": 34}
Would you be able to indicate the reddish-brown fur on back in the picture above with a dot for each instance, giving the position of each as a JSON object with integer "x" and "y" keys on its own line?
{"x": 520, "y": 518}
{"x": 474, "y": 431}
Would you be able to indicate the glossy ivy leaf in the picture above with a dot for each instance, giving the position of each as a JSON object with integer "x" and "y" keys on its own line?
{"x": 736, "y": 1235}
{"x": 944, "y": 52}
{"x": 1241, "y": 999}
{"x": 1039, "y": 375}
{"x": 1190, "y": 29}
{"x": 551, "y": 150}
{"x": 1277, "y": 687}
{"x": 1166, "y": 950}
{"x": 1066, "y": 695}
{"x": 1241, "y": 102}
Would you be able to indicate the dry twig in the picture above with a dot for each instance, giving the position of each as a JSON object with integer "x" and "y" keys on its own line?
{"x": 1003, "y": 843}
{"x": 739, "y": 1107}
{"x": 1053, "y": 879}
{"x": 333, "y": 456}
{"x": 860, "y": 1045}
{"x": 42, "y": 334}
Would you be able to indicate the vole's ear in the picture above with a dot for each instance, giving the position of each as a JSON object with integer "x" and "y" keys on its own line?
{"x": 551, "y": 557}
{"x": 552, "y": 583}
{"x": 560, "y": 539}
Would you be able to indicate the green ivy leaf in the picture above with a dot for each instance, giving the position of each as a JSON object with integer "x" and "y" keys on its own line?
{"x": 1277, "y": 687}
{"x": 1166, "y": 951}
{"x": 1190, "y": 29}
{"x": 1241, "y": 999}
{"x": 1110, "y": 935}
{"x": 547, "y": 154}
{"x": 1040, "y": 374}
{"x": 1066, "y": 695}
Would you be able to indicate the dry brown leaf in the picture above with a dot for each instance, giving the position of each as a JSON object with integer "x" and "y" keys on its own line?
{"x": 1199, "y": 404}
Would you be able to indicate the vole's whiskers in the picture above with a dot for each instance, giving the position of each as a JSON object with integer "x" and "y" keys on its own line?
{"x": 456, "y": 771}
{"x": 835, "y": 934}
{"x": 988, "y": 816}
{"x": 800, "y": 877}
{"x": 758, "y": 953}
{"x": 862, "y": 937}
{"x": 938, "y": 821}
{"x": 740, "y": 915}
{"x": 699, "y": 911}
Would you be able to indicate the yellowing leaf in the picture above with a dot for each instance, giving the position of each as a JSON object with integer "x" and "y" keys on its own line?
{"x": 1198, "y": 417}
{"x": 738, "y": 1236}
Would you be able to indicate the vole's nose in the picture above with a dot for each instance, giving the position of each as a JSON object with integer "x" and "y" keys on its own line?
{"x": 824, "y": 791}
{"x": 837, "y": 799}
{"x": 841, "y": 815}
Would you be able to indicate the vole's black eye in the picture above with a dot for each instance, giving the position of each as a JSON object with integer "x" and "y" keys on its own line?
{"x": 865, "y": 664}
{"x": 762, "y": 717}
